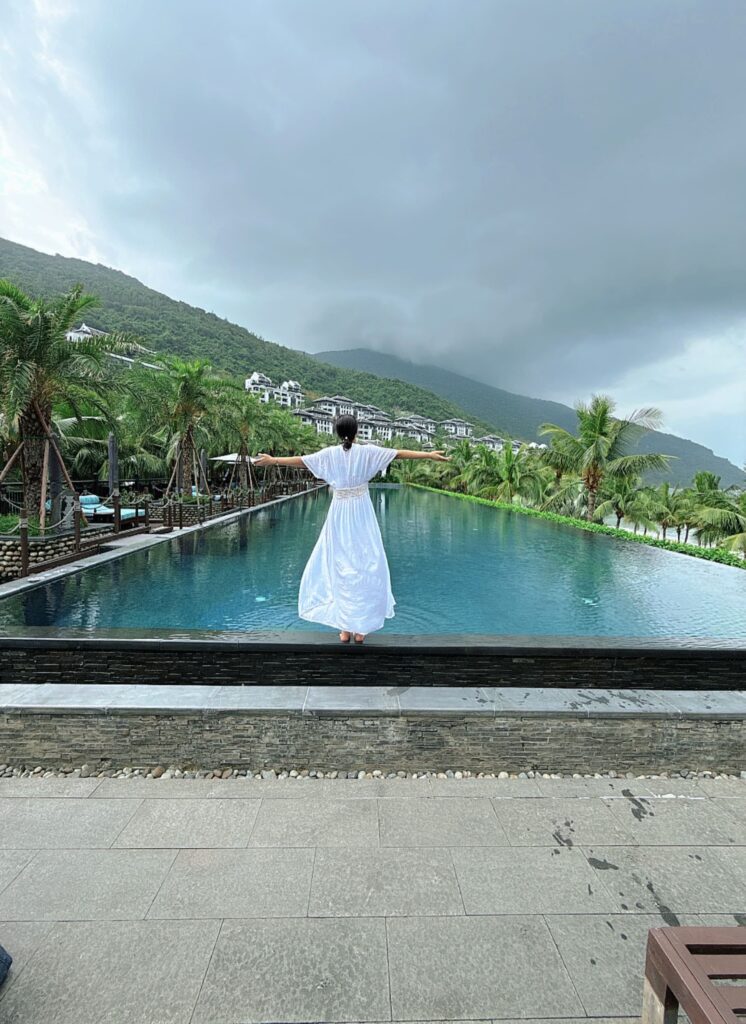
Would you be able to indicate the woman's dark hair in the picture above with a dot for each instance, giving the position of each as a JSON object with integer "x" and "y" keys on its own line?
{"x": 346, "y": 427}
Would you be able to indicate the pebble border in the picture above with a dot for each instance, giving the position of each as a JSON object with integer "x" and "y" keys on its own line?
{"x": 266, "y": 775}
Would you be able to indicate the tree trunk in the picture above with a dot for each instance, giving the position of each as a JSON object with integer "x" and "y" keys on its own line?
{"x": 686, "y": 534}
{"x": 664, "y": 532}
{"x": 591, "y": 503}
{"x": 187, "y": 463}
{"x": 33, "y": 436}
{"x": 243, "y": 465}
{"x": 618, "y": 520}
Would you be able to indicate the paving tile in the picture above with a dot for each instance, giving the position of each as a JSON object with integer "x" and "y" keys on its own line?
{"x": 679, "y": 822}
{"x": 663, "y": 788}
{"x": 160, "y": 789}
{"x": 12, "y": 862}
{"x": 258, "y": 698}
{"x": 333, "y": 789}
{"x": 533, "y": 880}
{"x": 9, "y": 692}
{"x": 190, "y": 823}
{"x": 551, "y": 822}
{"x": 440, "y": 822}
{"x": 79, "y": 697}
{"x": 322, "y": 700}
{"x": 148, "y": 697}
{"x": 457, "y": 700}
{"x": 708, "y": 703}
{"x": 91, "y": 972}
{"x": 296, "y": 970}
{"x": 236, "y": 883}
{"x": 501, "y": 789}
{"x": 49, "y": 824}
{"x": 384, "y": 883}
{"x": 79, "y": 885}
{"x": 454, "y": 968}
{"x": 580, "y": 789}
{"x": 679, "y": 879}
{"x": 537, "y": 701}
{"x": 293, "y": 823}
{"x": 729, "y": 788}
{"x": 605, "y": 955}
{"x": 638, "y": 703}
{"x": 51, "y": 787}
{"x": 21, "y": 939}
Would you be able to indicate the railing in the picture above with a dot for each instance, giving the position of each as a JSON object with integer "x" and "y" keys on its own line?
{"x": 171, "y": 512}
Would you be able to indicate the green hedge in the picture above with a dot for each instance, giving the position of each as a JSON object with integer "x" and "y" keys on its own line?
{"x": 709, "y": 554}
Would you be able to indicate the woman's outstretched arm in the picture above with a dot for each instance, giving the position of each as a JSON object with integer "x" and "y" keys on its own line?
{"x": 278, "y": 460}
{"x": 440, "y": 456}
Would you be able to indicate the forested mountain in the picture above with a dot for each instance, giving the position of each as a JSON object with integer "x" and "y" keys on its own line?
{"x": 520, "y": 416}
{"x": 167, "y": 325}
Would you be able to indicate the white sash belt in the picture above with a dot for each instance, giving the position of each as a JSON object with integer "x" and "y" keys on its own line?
{"x": 344, "y": 493}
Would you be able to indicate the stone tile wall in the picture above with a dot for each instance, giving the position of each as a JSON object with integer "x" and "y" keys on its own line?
{"x": 347, "y": 741}
{"x": 393, "y": 664}
{"x": 45, "y": 549}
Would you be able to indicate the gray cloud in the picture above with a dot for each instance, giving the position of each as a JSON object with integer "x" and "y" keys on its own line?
{"x": 546, "y": 194}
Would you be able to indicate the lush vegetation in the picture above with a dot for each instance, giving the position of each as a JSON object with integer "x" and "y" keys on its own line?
{"x": 70, "y": 396}
{"x": 585, "y": 478}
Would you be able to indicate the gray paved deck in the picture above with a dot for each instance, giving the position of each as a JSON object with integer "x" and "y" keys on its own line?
{"x": 178, "y": 901}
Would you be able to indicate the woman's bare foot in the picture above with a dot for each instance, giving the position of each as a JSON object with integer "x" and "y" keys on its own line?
{"x": 344, "y": 636}
{"x": 359, "y": 637}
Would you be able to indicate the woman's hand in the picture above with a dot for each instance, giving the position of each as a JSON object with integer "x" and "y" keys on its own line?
{"x": 440, "y": 457}
{"x": 263, "y": 460}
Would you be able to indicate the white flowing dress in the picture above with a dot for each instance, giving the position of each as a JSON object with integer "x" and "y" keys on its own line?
{"x": 346, "y": 583}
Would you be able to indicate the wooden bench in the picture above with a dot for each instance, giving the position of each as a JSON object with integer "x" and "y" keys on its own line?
{"x": 681, "y": 968}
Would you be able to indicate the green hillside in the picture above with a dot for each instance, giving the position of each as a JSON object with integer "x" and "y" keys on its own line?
{"x": 176, "y": 327}
{"x": 520, "y": 416}
{"x": 396, "y": 385}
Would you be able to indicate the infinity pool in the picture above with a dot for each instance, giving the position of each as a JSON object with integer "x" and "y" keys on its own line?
{"x": 456, "y": 567}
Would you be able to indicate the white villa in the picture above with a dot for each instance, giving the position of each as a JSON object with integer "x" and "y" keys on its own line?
{"x": 83, "y": 333}
{"x": 457, "y": 428}
{"x": 491, "y": 441}
{"x": 288, "y": 394}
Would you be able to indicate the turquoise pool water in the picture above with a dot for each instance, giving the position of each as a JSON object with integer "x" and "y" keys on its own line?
{"x": 456, "y": 567}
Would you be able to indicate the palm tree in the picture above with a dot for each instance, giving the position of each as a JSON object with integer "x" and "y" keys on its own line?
{"x": 461, "y": 455}
{"x": 504, "y": 475}
{"x": 620, "y": 496}
{"x": 85, "y": 445}
{"x": 185, "y": 399}
{"x": 240, "y": 421}
{"x": 602, "y": 445}
{"x": 39, "y": 367}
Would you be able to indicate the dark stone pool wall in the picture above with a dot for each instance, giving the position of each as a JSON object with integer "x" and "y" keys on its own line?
{"x": 319, "y": 659}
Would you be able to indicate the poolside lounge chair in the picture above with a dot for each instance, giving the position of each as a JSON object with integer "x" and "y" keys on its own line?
{"x": 93, "y": 508}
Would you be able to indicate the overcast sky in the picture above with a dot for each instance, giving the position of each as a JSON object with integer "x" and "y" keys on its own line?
{"x": 548, "y": 195}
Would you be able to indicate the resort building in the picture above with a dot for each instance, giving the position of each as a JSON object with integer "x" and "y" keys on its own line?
{"x": 424, "y": 423}
{"x": 320, "y": 421}
{"x": 491, "y": 441}
{"x": 288, "y": 394}
{"x": 457, "y": 428}
{"x": 83, "y": 333}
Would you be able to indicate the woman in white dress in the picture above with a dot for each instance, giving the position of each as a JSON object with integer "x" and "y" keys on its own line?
{"x": 346, "y": 583}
